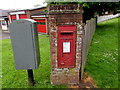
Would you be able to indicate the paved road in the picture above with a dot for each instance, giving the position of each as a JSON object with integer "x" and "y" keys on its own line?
{"x": 107, "y": 17}
{"x": 4, "y": 35}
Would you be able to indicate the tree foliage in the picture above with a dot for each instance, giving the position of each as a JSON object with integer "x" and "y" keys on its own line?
{"x": 91, "y": 9}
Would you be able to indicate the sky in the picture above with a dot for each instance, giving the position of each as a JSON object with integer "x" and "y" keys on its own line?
{"x": 19, "y": 4}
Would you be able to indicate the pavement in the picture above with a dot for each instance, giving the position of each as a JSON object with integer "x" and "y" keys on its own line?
{"x": 107, "y": 17}
{"x": 6, "y": 34}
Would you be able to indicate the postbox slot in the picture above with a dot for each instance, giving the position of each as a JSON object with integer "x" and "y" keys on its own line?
{"x": 66, "y": 32}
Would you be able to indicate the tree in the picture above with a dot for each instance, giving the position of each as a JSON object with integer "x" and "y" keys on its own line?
{"x": 91, "y": 9}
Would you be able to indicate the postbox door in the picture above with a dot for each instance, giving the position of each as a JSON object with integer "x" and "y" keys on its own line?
{"x": 66, "y": 47}
{"x": 66, "y": 53}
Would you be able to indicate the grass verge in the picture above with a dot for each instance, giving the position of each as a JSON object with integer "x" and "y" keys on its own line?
{"x": 102, "y": 60}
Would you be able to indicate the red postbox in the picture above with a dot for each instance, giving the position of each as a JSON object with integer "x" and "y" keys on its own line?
{"x": 66, "y": 46}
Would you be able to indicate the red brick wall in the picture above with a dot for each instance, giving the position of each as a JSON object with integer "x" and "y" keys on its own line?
{"x": 65, "y": 15}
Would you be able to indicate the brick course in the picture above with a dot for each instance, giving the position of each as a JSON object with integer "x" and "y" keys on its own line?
{"x": 65, "y": 15}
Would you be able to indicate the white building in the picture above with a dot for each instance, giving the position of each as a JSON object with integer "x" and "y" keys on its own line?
{"x": 4, "y": 21}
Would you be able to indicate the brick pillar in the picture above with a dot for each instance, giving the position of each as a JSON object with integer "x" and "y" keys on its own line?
{"x": 69, "y": 14}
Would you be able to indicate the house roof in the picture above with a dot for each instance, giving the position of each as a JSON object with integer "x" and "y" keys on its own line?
{"x": 29, "y": 9}
{"x": 40, "y": 7}
{"x": 3, "y": 12}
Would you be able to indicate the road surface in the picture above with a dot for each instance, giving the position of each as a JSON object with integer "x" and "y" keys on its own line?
{"x": 107, "y": 17}
{"x": 4, "y": 35}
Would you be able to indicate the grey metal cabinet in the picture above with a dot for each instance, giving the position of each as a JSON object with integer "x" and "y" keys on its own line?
{"x": 24, "y": 37}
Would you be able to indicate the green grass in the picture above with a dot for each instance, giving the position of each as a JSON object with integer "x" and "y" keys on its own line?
{"x": 102, "y": 63}
{"x": 102, "y": 60}
{"x": 12, "y": 78}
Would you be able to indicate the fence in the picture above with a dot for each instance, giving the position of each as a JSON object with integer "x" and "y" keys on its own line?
{"x": 89, "y": 28}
